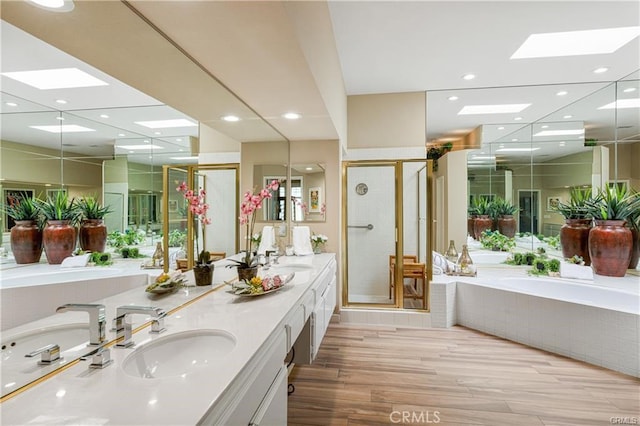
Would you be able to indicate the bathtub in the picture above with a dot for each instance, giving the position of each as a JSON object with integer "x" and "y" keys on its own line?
{"x": 592, "y": 322}
{"x": 24, "y": 277}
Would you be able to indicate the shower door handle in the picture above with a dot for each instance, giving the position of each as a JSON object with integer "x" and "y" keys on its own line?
{"x": 368, "y": 227}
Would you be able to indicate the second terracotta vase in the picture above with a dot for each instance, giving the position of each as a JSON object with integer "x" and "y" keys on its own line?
{"x": 59, "y": 240}
{"x": 26, "y": 242}
{"x": 481, "y": 224}
{"x": 574, "y": 239}
{"x": 93, "y": 235}
{"x": 507, "y": 226}
{"x": 610, "y": 245}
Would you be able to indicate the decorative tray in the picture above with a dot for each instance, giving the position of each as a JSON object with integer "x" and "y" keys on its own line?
{"x": 167, "y": 283}
{"x": 259, "y": 286}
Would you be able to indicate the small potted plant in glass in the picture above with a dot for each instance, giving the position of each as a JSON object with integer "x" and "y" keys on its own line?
{"x": 93, "y": 231}
{"x": 318, "y": 241}
{"x": 26, "y": 234}
{"x": 59, "y": 235}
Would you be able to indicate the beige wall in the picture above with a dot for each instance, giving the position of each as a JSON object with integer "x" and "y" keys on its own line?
{"x": 379, "y": 121}
{"x": 453, "y": 166}
{"x": 211, "y": 140}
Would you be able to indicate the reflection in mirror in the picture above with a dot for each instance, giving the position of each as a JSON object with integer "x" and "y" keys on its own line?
{"x": 307, "y": 193}
{"x": 274, "y": 208}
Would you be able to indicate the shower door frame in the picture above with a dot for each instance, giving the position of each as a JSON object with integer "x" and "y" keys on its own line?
{"x": 399, "y": 243}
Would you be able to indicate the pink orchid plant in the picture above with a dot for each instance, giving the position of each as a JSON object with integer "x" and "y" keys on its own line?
{"x": 251, "y": 203}
{"x": 196, "y": 203}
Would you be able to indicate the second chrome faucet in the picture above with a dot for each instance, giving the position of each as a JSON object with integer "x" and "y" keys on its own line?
{"x": 123, "y": 324}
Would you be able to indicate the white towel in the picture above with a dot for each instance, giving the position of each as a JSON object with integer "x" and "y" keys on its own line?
{"x": 268, "y": 239}
{"x": 442, "y": 262}
{"x": 302, "y": 241}
{"x": 571, "y": 270}
{"x": 75, "y": 261}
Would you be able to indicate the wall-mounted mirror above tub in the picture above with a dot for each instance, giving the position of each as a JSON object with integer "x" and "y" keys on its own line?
{"x": 308, "y": 192}
{"x": 554, "y": 138}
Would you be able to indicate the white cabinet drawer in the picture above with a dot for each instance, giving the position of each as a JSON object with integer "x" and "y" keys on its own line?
{"x": 308, "y": 301}
{"x": 293, "y": 326}
{"x": 273, "y": 409}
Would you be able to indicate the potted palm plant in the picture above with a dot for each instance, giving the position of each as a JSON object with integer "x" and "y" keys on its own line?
{"x": 472, "y": 212}
{"x": 59, "y": 234}
{"x": 634, "y": 224}
{"x": 574, "y": 234}
{"x": 93, "y": 232}
{"x": 26, "y": 234}
{"x": 610, "y": 241}
{"x": 506, "y": 222}
{"x": 483, "y": 219}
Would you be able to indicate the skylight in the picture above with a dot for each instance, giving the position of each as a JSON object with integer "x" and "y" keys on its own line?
{"x": 59, "y": 78}
{"x": 574, "y": 43}
{"x": 623, "y": 103}
{"x": 139, "y": 147}
{"x": 492, "y": 109}
{"x": 560, "y": 132}
{"x": 517, "y": 149}
{"x": 166, "y": 124}
{"x": 63, "y": 128}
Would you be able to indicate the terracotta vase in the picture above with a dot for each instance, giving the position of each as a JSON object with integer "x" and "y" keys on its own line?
{"x": 59, "y": 240}
{"x": 247, "y": 273}
{"x": 635, "y": 251}
{"x": 93, "y": 235}
{"x": 574, "y": 239}
{"x": 610, "y": 244}
{"x": 470, "y": 222}
{"x": 203, "y": 273}
{"x": 507, "y": 226}
{"x": 480, "y": 224}
{"x": 26, "y": 241}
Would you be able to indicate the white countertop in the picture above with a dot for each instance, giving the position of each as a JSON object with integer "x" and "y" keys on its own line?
{"x": 83, "y": 396}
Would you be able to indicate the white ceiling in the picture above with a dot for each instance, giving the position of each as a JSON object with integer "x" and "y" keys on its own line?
{"x": 384, "y": 47}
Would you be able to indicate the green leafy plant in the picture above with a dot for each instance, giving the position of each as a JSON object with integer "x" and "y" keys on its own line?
{"x": 130, "y": 253}
{"x": 177, "y": 238}
{"x": 482, "y": 206}
{"x": 92, "y": 209}
{"x": 503, "y": 207}
{"x": 101, "y": 259}
{"x": 436, "y": 151}
{"x": 494, "y": 240}
{"x": 575, "y": 259}
{"x": 577, "y": 208}
{"x": 60, "y": 207}
{"x": 23, "y": 208}
{"x": 613, "y": 203}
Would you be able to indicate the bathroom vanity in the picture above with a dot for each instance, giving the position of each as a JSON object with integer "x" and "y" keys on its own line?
{"x": 221, "y": 360}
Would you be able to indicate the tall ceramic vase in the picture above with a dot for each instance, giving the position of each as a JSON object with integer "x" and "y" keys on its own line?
{"x": 507, "y": 226}
{"x": 610, "y": 244}
{"x": 93, "y": 235}
{"x": 26, "y": 241}
{"x": 59, "y": 239}
{"x": 480, "y": 224}
{"x": 574, "y": 239}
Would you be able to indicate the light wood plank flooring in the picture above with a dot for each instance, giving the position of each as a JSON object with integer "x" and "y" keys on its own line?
{"x": 372, "y": 375}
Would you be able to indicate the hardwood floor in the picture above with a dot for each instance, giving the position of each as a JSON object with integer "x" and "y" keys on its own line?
{"x": 376, "y": 375}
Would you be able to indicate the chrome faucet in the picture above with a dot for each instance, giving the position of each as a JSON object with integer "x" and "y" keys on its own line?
{"x": 123, "y": 326}
{"x": 97, "y": 320}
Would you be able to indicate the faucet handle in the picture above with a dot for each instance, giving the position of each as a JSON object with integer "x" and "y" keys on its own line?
{"x": 100, "y": 357}
{"x": 49, "y": 354}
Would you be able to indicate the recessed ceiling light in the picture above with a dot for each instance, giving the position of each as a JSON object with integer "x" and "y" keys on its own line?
{"x": 166, "y": 124}
{"x": 104, "y": 116}
{"x": 59, "y": 118}
{"x": 567, "y": 132}
{"x": 484, "y": 157}
{"x": 308, "y": 168}
{"x": 501, "y": 145}
{"x": 492, "y": 109}
{"x": 65, "y": 128}
{"x": 561, "y": 143}
{"x": 453, "y": 98}
{"x": 11, "y": 104}
{"x": 291, "y": 116}
{"x": 562, "y": 93}
{"x": 517, "y": 149}
{"x": 54, "y": 5}
{"x": 157, "y": 133}
{"x": 501, "y": 128}
{"x": 178, "y": 139}
{"x": 627, "y": 90}
{"x": 600, "y": 70}
{"x": 544, "y": 126}
{"x": 145, "y": 141}
{"x": 567, "y": 116}
{"x": 574, "y": 43}
{"x": 193, "y": 157}
{"x": 59, "y": 78}
{"x": 61, "y": 101}
{"x": 122, "y": 135}
{"x": 231, "y": 118}
{"x": 514, "y": 140}
{"x": 623, "y": 104}
{"x": 139, "y": 147}
{"x": 517, "y": 118}
{"x": 468, "y": 76}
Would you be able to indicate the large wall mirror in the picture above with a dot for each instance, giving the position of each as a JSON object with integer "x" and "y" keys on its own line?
{"x": 564, "y": 137}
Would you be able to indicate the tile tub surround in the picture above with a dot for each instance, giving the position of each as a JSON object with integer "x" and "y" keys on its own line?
{"x": 572, "y": 318}
{"x": 82, "y": 396}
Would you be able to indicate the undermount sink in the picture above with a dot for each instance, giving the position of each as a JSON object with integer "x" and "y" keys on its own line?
{"x": 179, "y": 354}
{"x": 68, "y": 336}
{"x": 291, "y": 267}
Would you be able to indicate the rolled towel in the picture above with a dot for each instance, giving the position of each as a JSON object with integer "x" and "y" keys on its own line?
{"x": 75, "y": 261}
{"x": 442, "y": 262}
{"x": 267, "y": 240}
{"x": 302, "y": 241}
{"x": 571, "y": 270}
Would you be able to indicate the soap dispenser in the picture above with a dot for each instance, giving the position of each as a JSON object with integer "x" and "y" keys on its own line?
{"x": 451, "y": 254}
